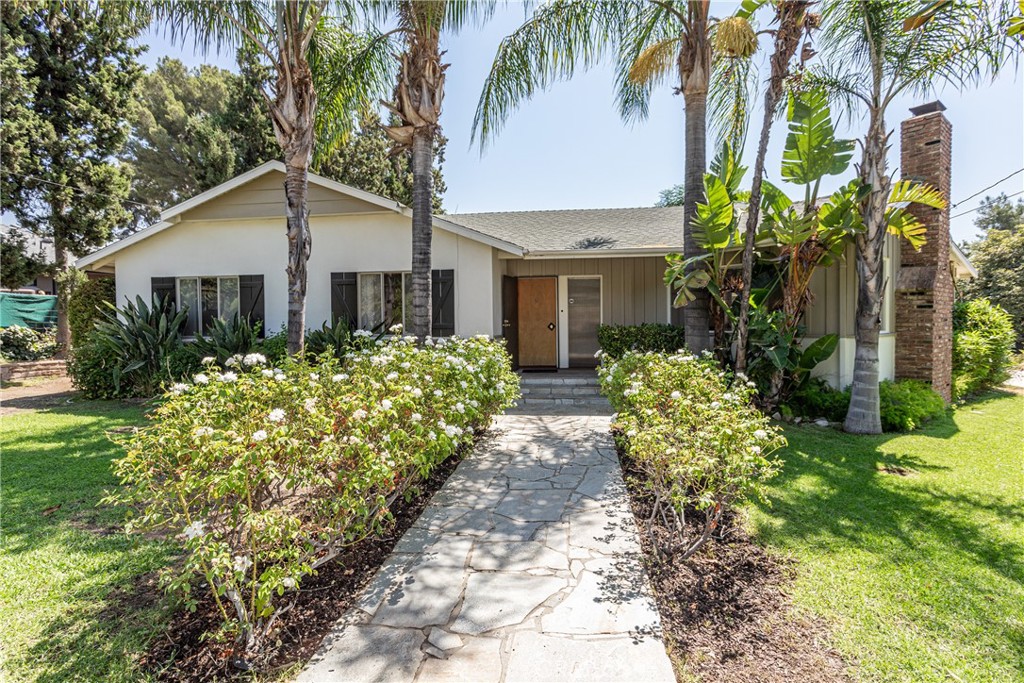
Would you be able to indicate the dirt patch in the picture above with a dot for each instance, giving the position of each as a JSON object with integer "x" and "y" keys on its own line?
{"x": 33, "y": 394}
{"x": 898, "y": 470}
{"x": 182, "y": 653}
{"x": 725, "y": 613}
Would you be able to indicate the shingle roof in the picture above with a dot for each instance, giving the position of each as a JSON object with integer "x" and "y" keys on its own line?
{"x": 582, "y": 230}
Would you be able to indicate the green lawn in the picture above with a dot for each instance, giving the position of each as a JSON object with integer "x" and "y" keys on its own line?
{"x": 64, "y": 573}
{"x": 920, "y": 576}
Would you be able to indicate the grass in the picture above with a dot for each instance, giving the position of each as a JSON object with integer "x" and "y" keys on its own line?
{"x": 67, "y": 573}
{"x": 920, "y": 574}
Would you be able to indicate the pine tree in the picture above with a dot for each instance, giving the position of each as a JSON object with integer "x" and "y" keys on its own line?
{"x": 78, "y": 69}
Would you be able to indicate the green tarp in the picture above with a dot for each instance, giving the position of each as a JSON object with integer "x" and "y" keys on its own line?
{"x": 27, "y": 310}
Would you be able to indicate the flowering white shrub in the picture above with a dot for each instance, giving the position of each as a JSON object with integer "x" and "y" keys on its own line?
{"x": 696, "y": 437}
{"x": 268, "y": 473}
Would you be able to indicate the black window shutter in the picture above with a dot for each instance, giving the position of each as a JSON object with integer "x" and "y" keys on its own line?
{"x": 250, "y": 300}
{"x": 163, "y": 287}
{"x": 442, "y": 299}
{"x": 344, "y": 298}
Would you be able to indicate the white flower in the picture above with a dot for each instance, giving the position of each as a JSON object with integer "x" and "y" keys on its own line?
{"x": 396, "y": 328}
{"x": 310, "y": 405}
{"x": 201, "y": 379}
{"x": 227, "y": 377}
{"x": 288, "y": 582}
{"x": 276, "y": 415}
{"x": 392, "y": 376}
{"x": 203, "y": 431}
{"x": 429, "y": 342}
{"x": 715, "y": 405}
{"x": 207, "y": 360}
{"x": 432, "y": 436}
{"x": 258, "y": 436}
{"x": 279, "y": 376}
{"x": 756, "y": 450}
{"x": 254, "y": 359}
{"x": 460, "y": 408}
{"x": 242, "y": 563}
{"x": 386, "y": 404}
{"x": 233, "y": 360}
{"x": 269, "y": 374}
{"x": 438, "y": 393}
{"x": 405, "y": 365}
{"x": 313, "y": 376}
{"x": 195, "y": 530}
{"x": 340, "y": 377}
{"x": 760, "y": 434}
{"x": 415, "y": 417}
{"x": 179, "y": 388}
{"x": 358, "y": 414}
{"x": 675, "y": 395}
{"x": 361, "y": 333}
{"x": 597, "y": 354}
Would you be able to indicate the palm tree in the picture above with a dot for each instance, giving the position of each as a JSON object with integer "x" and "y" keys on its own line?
{"x": 310, "y": 56}
{"x": 418, "y": 93}
{"x": 793, "y": 23}
{"x": 652, "y": 42}
{"x": 875, "y": 51}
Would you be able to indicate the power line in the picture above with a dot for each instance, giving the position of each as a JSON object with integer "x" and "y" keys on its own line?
{"x": 80, "y": 190}
{"x": 964, "y": 213}
{"x": 987, "y": 188}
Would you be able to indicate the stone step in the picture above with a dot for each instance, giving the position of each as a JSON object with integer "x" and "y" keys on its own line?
{"x": 548, "y": 380}
{"x": 593, "y": 401}
{"x": 560, "y": 390}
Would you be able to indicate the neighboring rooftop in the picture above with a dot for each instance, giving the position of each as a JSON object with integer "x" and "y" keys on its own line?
{"x": 581, "y": 230}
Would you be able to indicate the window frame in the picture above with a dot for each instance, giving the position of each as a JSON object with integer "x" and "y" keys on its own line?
{"x": 381, "y": 275}
{"x": 198, "y": 279}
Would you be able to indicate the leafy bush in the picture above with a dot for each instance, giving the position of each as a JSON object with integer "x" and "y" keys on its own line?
{"x": 91, "y": 369}
{"x": 616, "y": 340}
{"x": 267, "y": 474}
{"x": 983, "y": 339}
{"x": 904, "y": 405}
{"x": 184, "y": 361}
{"x": 138, "y": 340}
{"x": 86, "y": 306}
{"x": 24, "y": 343}
{"x": 226, "y": 338}
{"x": 334, "y": 338}
{"x": 695, "y": 435}
{"x": 274, "y": 347}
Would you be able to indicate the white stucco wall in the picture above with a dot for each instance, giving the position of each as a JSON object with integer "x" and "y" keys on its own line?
{"x": 838, "y": 369}
{"x": 359, "y": 243}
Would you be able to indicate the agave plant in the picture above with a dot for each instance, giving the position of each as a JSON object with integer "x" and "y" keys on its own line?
{"x": 334, "y": 338}
{"x": 139, "y": 338}
{"x": 226, "y": 338}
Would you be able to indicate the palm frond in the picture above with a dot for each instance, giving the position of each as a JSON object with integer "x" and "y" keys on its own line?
{"x": 733, "y": 80}
{"x": 640, "y": 27}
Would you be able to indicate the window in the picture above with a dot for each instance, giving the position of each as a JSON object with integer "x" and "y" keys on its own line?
{"x": 382, "y": 300}
{"x": 207, "y": 298}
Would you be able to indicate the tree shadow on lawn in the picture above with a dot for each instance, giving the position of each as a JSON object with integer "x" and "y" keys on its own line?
{"x": 839, "y": 491}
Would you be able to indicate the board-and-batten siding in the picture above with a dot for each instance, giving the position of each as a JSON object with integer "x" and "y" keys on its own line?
{"x": 632, "y": 289}
{"x": 264, "y": 198}
{"x": 833, "y": 309}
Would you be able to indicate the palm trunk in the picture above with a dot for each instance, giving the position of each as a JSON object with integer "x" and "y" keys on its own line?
{"x": 864, "y": 416}
{"x": 422, "y": 231}
{"x": 696, "y": 318}
{"x": 296, "y": 189}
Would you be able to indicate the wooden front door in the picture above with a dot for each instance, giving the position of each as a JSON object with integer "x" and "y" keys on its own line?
{"x": 538, "y": 313}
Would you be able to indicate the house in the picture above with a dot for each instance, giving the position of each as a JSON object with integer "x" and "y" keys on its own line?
{"x": 543, "y": 280}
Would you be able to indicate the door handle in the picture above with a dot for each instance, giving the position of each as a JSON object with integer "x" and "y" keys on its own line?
{"x": 551, "y": 326}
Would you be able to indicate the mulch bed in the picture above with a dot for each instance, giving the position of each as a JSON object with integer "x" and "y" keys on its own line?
{"x": 182, "y": 654}
{"x": 725, "y": 613}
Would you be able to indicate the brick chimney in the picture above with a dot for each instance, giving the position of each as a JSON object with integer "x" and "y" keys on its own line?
{"x": 924, "y": 286}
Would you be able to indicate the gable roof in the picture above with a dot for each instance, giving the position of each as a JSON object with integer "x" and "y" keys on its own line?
{"x": 173, "y": 215}
{"x": 579, "y": 232}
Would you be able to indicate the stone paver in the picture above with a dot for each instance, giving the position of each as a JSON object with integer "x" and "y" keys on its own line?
{"x": 525, "y": 567}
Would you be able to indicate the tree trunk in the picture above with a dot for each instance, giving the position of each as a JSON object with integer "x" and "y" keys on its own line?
{"x": 863, "y": 416}
{"x": 696, "y": 318}
{"x": 60, "y": 276}
{"x": 753, "y": 214}
{"x": 296, "y": 189}
{"x": 422, "y": 231}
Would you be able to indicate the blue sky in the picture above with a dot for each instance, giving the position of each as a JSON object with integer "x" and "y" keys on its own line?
{"x": 567, "y": 148}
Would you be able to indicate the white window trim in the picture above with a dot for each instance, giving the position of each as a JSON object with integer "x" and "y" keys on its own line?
{"x": 199, "y": 295}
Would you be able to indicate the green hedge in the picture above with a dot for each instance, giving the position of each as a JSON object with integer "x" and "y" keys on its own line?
{"x": 983, "y": 338}
{"x": 905, "y": 405}
{"x": 85, "y": 307}
{"x": 616, "y": 340}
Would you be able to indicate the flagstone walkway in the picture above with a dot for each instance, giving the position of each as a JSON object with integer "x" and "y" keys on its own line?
{"x": 525, "y": 567}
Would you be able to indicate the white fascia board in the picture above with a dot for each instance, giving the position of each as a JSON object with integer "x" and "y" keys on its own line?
{"x": 602, "y": 253}
{"x": 114, "y": 247}
{"x": 957, "y": 255}
{"x": 475, "y": 235}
